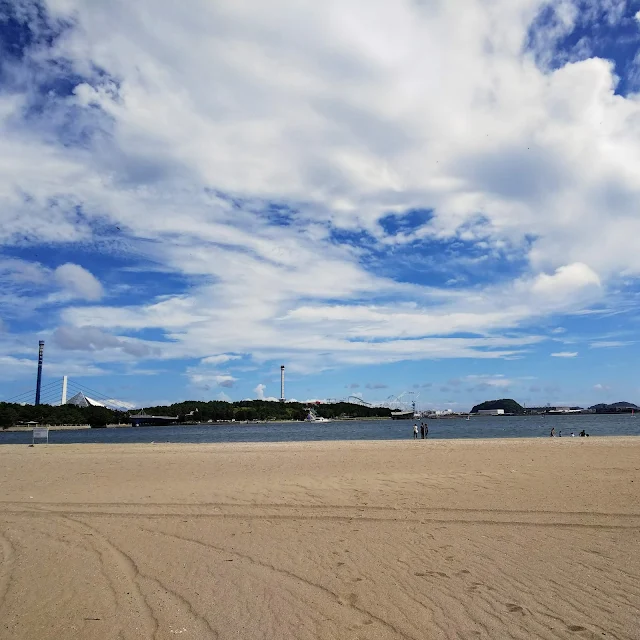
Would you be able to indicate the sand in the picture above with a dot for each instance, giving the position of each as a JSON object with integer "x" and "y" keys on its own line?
{"x": 437, "y": 539}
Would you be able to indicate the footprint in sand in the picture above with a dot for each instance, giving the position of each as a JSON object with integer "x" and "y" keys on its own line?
{"x": 514, "y": 608}
{"x": 575, "y": 628}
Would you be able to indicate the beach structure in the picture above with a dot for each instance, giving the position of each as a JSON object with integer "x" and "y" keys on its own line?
{"x": 81, "y": 400}
{"x": 143, "y": 419}
{"x": 563, "y": 410}
{"x": 282, "y": 383}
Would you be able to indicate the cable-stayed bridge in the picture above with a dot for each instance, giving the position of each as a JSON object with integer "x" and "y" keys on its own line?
{"x": 67, "y": 391}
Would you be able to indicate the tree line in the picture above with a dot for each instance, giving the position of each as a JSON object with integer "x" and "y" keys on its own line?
{"x": 51, "y": 415}
{"x": 218, "y": 410}
{"x": 190, "y": 411}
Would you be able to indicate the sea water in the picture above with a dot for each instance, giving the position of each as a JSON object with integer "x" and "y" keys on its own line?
{"x": 477, "y": 427}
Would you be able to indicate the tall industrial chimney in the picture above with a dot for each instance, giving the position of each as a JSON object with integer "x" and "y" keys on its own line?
{"x": 282, "y": 383}
{"x": 39, "y": 381}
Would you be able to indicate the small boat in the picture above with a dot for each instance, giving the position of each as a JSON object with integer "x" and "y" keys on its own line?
{"x": 312, "y": 416}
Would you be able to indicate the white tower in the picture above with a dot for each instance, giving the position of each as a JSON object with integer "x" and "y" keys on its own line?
{"x": 282, "y": 383}
{"x": 64, "y": 390}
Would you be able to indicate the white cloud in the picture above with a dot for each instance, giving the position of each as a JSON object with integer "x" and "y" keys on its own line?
{"x": 259, "y": 391}
{"x": 67, "y": 282}
{"x": 565, "y": 281}
{"x": 12, "y": 368}
{"x": 219, "y": 359}
{"x": 207, "y": 379}
{"x": 489, "y": 380}
{"x": 224, "y": 380}
{"x": 564, "y": 354}
{"x": 343, "y": 113}
{"x": 78, "y": 281}
{"x": 601, "y": 387}
{"x": 94, "y": 339}
{"x": 609, "y": 344}
{"x": 637, "y": 16}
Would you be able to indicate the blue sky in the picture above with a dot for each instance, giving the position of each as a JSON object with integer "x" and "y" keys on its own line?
{"x": 382, "y": 196}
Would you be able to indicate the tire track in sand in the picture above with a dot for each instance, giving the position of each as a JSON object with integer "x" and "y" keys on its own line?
{"x": 350, "y": 602}
{"x": 134, "y": 574}
{"x": 119, "y": 568}
{"x": 6, "y": 570}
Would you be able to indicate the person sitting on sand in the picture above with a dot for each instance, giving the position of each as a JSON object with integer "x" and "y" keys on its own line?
{"x": 581, "y": 434}
{"x": 415, "y": 431}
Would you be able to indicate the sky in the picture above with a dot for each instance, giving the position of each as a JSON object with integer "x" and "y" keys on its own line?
{"x": 430, "y": 197}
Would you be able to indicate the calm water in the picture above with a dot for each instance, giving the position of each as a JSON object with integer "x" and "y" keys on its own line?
{"x": 485, "y": 427}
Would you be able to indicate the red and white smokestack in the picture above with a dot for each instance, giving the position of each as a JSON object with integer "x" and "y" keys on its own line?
{"x": 282, "y": 383}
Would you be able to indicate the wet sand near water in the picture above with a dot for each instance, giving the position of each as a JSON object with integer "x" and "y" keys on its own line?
{"x": 420, "y": 539}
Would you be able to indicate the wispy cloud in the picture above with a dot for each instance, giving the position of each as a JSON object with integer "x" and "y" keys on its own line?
{"x": 607, "y": 344}
{"x": 564, "y": 354}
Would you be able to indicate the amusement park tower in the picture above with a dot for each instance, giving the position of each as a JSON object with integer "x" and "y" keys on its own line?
{"x": 281, "y": 383}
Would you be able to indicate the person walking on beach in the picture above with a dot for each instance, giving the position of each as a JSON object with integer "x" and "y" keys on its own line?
{"x": 415, "y": 431}
{"x": 422, "y": 430}
{"x": 553, "y": 432}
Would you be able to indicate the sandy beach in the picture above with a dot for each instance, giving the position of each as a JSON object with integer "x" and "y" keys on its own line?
{"x": 415, "y": 540}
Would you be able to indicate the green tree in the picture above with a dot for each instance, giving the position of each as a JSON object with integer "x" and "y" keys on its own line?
{"x": 8, "y": 417}
{"x": 98, "y": 416}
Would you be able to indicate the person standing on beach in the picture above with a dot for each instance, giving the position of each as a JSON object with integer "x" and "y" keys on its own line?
{"x": 422, "y": 430}
{"x": 553, "y": 432}
{"x": 415, "y": 431}
{"x": 426, "y": 430}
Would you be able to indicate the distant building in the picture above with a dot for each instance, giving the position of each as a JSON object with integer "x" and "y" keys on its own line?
{"x": 564, "y": 410}
{"x": 490, "y": 412}
{"x": 142, "y": 419}
{"x": 80, "y": 400}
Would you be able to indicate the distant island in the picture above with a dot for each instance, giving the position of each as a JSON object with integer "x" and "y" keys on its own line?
{"x": 616, "y": 407}
{"x": 508, "y": 406}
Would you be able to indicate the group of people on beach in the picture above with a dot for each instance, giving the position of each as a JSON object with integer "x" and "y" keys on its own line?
{"x": 424, "y": 430}
{"x": 582, "y": 434}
